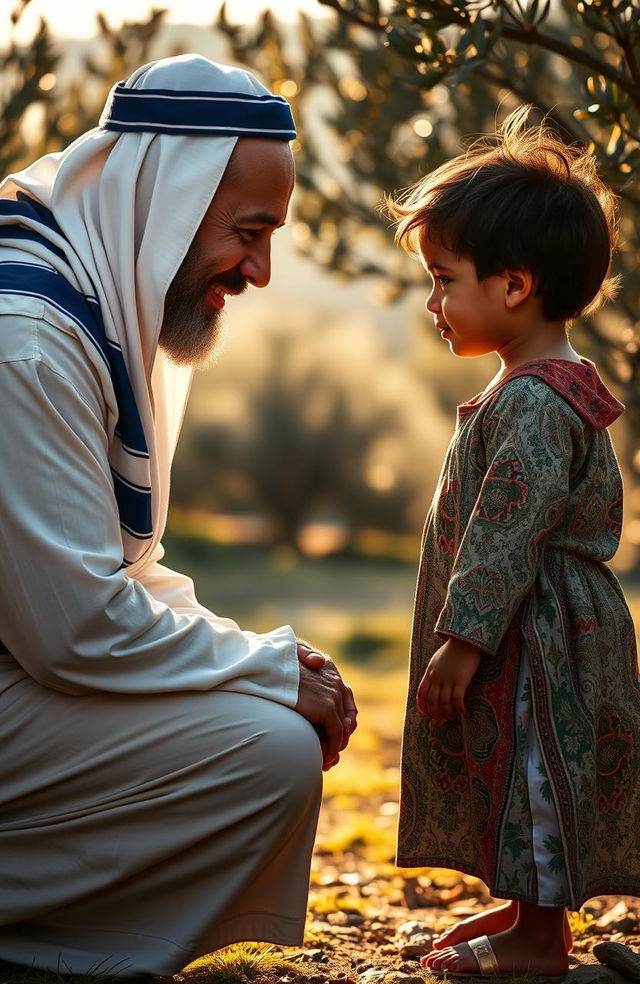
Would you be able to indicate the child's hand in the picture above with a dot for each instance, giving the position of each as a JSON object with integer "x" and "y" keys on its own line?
{"x": 446, "y": 678}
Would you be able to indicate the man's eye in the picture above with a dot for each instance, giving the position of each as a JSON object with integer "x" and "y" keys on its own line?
{"x": 248, "y": 234}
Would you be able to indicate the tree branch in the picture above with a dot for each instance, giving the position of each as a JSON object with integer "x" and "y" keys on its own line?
{"x": 528, "y": 37}
{"x": 573, "y": 54}
{"x": 526, "y": 96}
{"x": 374, "y": 24}
{"x": 629, "y": 52}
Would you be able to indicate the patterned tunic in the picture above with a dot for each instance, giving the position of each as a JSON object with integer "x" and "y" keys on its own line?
{"x": 527, "y": 509}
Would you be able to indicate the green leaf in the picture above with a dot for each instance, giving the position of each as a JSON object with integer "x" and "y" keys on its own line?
{"x": 402, "y": 44}
{"x": 433, "y": 44}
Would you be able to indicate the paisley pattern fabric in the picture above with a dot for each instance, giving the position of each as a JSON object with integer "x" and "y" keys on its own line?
{"x": 526, "y": 512}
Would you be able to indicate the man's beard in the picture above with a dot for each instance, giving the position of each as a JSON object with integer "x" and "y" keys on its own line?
{"x": 190, "y": 334}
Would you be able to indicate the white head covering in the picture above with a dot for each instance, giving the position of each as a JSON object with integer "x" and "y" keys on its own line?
{"x": 126, "y": 200}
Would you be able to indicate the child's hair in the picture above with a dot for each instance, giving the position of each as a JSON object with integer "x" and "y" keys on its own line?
{"x": 520, "y": 199}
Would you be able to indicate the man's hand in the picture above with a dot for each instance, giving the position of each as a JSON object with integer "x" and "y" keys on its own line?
{"x": 446, "y": 678}
{"x": 326, "y": 702}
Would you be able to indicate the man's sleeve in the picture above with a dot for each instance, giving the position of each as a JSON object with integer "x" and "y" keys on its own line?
{"x": 529, "y": 440}
{"x": 68, "y": 614}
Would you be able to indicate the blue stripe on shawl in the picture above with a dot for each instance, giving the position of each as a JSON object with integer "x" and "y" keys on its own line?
{"x": 22, "y": 233}
{"x": 19, "y": 278}
{"x": 189, "y": 113}
{"x": 28, "y": 208}
{"x": 134, "y": 506}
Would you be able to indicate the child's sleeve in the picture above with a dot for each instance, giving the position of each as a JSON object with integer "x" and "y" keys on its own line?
{"x": 529, "y": 438}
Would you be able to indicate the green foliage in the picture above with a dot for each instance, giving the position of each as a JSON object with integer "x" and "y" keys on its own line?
{"x": 103, "y": 972}
{"x": 39, "y": 114}
{"x": 362, "y": 646}
{"x": 22, "y": 71}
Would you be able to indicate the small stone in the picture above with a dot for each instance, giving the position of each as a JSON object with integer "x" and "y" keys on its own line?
{"x": 312, "y": 956}
{"x": 620, "y": 957}
{"x": 343, "y": 918}
{"x": 416, "y": 948}
{"x": 464, "y": 910}
{"x": 394, "y": 977}
{"x": 372, "y": 976}
{"x": 413, "y": 928}
{"x": 619, "y": 919}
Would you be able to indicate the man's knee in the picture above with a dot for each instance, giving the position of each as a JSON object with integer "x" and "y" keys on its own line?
{"x": 294, "y": 755}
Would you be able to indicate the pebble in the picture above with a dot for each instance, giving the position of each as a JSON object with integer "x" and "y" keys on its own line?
{"x": 395, "y": 977}
{"x": 414, "y": 928}
{"x": 372, "y": 976}
{"x": 619, "y": 918}
{"x": 416, "y": 947}
{"x": 313, "y": 956}
{"x": 622, "y": 958}
{"x": 389, "y": 977}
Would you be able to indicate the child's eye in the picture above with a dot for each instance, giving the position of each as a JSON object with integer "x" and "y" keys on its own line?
{"x": 442, "y": 279}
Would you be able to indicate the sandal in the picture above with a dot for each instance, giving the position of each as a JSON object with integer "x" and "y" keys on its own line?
{"x": 487, "y": 964}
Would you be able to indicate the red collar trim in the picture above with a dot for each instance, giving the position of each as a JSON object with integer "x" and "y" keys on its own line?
{"x": 577, "y": 382}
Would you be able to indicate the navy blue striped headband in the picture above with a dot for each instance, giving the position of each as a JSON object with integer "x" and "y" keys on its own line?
{"x": 189, "y": 113}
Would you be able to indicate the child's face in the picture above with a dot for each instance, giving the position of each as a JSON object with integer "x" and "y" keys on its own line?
{"x": 470, "y": 314}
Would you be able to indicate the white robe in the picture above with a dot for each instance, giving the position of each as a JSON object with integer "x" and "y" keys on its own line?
{"x": 158, "y": 793}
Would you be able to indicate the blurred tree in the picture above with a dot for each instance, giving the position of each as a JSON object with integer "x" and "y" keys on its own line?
{"x": 383, "y": 92}
{"x": 304, "y": 445}
{"x": 38, "y": 115}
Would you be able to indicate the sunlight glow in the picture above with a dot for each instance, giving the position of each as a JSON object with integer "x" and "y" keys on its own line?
{"x": 79, "y": 20}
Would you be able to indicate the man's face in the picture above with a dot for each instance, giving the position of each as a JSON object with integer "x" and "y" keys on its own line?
{"x": 231, "y": 249}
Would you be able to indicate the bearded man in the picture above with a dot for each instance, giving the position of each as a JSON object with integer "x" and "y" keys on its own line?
{"x": 160, "y": 767}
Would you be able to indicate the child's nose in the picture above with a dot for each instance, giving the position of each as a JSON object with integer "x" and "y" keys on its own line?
{"x": 433, "y": 303}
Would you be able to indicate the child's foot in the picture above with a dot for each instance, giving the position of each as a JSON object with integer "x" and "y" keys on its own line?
{"x": 517, "y": 951}
{"x": 494, "y": 920}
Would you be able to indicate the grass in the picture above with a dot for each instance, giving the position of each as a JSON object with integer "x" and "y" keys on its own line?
{"x": 238, "y": 964}
{"x": 102, "y": 973}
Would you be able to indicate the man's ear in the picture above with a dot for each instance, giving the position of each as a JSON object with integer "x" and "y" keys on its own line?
{"x": 518, "y": 286}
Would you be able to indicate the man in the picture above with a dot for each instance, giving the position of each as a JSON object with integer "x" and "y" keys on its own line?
{"x": 160, "y": 767}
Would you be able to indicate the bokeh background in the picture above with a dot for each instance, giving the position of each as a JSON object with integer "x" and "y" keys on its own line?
{"x": 311, "y": 448}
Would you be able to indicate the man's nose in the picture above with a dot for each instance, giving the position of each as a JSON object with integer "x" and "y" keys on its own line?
{"x": 256, "y": 265}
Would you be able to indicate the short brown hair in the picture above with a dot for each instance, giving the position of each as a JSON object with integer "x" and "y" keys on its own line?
{"x": 520, "y": 199}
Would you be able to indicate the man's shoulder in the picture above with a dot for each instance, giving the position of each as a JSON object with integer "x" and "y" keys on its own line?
{"x": 33, "y": 329}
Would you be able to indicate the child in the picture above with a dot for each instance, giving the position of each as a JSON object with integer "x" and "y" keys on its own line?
{"x": 521, "y": 742}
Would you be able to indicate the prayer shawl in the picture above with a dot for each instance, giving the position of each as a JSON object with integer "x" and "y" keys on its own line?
{"x": 99, "y": 231}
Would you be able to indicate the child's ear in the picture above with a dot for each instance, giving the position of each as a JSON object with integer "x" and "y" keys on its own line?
{"x": 519, "y": 285}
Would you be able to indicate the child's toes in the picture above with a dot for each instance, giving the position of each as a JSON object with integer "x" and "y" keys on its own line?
{"x": 437, "y": 960}
{"x": 453, "y": 963}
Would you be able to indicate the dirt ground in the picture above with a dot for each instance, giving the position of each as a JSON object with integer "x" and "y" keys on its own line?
{"x": 368, "y": 919}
